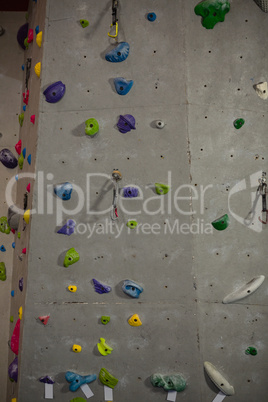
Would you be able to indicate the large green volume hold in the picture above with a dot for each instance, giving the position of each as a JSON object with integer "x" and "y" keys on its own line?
{"x": 212, "y": 11}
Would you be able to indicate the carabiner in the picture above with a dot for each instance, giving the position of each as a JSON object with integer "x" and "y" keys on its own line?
{"x": 116, "y": 31}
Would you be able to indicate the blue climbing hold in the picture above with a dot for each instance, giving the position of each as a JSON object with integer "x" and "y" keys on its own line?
{"x": 29, "y": 159}
{"x": 13, "y": 244}
{"x": 24, "y": 108}
{"x": 67, "y": 229}
{"x": 37, "y": 29}
{"x": 151, "y": 17}
{"x": 132, "y": 289}
{"x": 17, "y": 177}
{"x": 77, "y": 380}
{"x": 23, "y": 67}
{"x": 12, "y": 293}
{"x": 2, "y": 248}
{"x": 119, "y": 53}
{"x": 64, "y": 190}
{"x": 122, "y": 85}
{"x": 24, "y": 152}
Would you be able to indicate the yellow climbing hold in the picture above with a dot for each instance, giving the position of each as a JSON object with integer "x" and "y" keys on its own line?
{"x": 39, "y": 38}
{"x": 72, "y": 288}
{"x": 14, "y": 400}
{"x": 20, "y": 313}
{"x": 135, "y": 321}
{"x": 37, "y": 69}
{"x": 77, "y": 348}
{"x": 26, "y": 216}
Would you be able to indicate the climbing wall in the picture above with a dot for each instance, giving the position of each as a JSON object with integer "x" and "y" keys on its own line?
{"x": 197, "y": 82}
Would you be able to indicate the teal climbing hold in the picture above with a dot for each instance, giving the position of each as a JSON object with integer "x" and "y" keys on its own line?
{"x": 212, "y": 11}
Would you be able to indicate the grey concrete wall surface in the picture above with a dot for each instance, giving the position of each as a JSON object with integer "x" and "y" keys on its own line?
{"x": 11, "y": 56}
{"x": 198, "y": 82}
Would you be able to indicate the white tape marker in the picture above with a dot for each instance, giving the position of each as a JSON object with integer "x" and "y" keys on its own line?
{"x": 171, "y": 396}
{"x": 108, "y": 393}
{"x": 87, "y": 391}
{"x": 48, "y": 391}
{"x": 220, "y": 397}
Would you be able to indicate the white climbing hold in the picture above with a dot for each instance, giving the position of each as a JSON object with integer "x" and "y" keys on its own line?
{"x": 245, "y": 290}
{"x": 218, "y": 379}
{"x": 262, "y": 90}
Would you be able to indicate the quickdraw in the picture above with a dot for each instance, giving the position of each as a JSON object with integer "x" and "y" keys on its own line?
{"x": 114, "y": 20}
{"x": 116, "y": 176}
{"x": 262, "y": 190}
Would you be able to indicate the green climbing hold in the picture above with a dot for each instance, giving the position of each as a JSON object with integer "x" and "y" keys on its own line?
{"x": 105, "y": 319}
{"x": 161, "y": 188}
{"x": 92, "y": 127}
{"x": 251, "y": 351}
{"x": 238, "y": 123}
{"x": 20, "y": 161}
{"x": 103, "y": 348}
{"x": 3, "y": 275}
{"x": 71, "y": 257}
{"x": 11, "y": 318}
{"x": 78, "y": 400}
{"x": 132, "y": 224}
{"x": 107, "y": 379}
{"x": 18, "y": 235}
{"x": 21, "y": 118}
{"x": 84, "y": 23}
{"x": 174, "y": 382}
{"x": 26, "y": 44}
{"x": 4, "y": 226}
{"x": 212, "y": 11}
{"x": 221, "y": 223}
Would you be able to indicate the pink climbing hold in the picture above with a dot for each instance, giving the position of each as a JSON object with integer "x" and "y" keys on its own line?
{"x": 24, "y": 250}
{"x": 30, "y": 36}
{"x": 44, "y": 319}
{"x": 32, "y": 118}
{"x": 15, "y": 339}
{"x": 18, "y": 147}
{"x": 26, "y": 97}
{"x": 28, "y": 188}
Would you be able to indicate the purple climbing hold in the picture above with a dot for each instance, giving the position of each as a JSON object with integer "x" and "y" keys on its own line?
{"x": 126, "y": 123}
{"x": 68, "y": 228}
{"x": 131, "y": 192}
{"x": 13, "y": 370}
{"x": 100, "y": 288}
{"x": 46, "y": 380}
{"x": 21, "y": 284}
{"x": 54, "y": 92}
{"x": 8, "y": 159}
{"x": 22, "y": 34}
